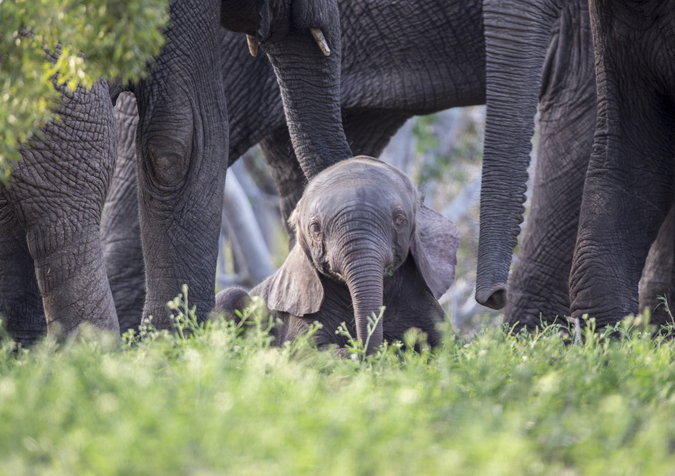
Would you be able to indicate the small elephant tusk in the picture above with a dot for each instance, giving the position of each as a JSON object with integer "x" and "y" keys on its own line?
{"x": 320, "y": 40}
{"x": 252, "y": 45}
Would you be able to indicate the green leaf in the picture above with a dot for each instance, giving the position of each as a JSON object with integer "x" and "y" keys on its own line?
{"x": 115, "y": 38}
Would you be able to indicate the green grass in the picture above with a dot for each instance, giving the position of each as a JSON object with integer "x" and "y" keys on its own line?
{"x": 221, "y": 401}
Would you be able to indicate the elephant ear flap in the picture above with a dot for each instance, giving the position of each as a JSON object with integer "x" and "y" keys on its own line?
{"x": 434, "y": 249}
{"x": 295, "y": 288}
{"x": 263, "y": 20}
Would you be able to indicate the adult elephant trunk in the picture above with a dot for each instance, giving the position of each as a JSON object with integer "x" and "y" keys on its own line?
{"x": 516, "y": 40}
{"x": 309, "y": 81}
{"x": 363, "y": 272}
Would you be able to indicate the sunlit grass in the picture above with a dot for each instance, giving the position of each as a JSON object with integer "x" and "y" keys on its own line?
{"x": 219, "y": 400}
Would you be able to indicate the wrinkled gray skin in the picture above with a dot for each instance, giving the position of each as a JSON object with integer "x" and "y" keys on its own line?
{"x": 57, "y": 192}
{"x": 180, "y": 200}
{"x": 381, "y": 66}
{"x": 552, "y": 63}
{"x": 555, "y": 38}
{"x": 381, "y": 69}
{"x": 120, "y": 220}
{"x": 59, "y": 189}
{"x": 178, "y": 167}
{"x": 363, "y": 240}
{"x": 629, "y": 185}
{"x": 658, "y": 275}
{"x": 51, "y": 262}
{"x": 566, "y": 98}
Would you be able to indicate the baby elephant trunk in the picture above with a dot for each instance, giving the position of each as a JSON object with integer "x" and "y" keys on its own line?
{"x": 364, "y": 277}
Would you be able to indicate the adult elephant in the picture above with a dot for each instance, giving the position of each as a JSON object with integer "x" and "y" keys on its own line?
{"x": 390, "y": 74}
{"x": 539, "y": 285}
{"x": 629, "y": 184}
{"x": 539, "y": 291}
{"x": 50, "y": 255}
{"x": 53, "y": 205}
{"x": 182, "y": 134}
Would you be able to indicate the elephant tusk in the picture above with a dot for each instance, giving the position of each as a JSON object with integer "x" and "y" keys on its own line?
{"x": 320, "y": 40}
{"x": 252, "y": 45}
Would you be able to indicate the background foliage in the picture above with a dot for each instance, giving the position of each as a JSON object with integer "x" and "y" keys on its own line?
{"x": 74, "y": 41}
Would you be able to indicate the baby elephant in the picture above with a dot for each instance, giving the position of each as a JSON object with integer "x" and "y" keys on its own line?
{"x": 363, "y": 240}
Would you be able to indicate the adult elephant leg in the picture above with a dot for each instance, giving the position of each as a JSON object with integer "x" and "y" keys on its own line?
{"x": 629, "y": 184}
{"x": 20, "y": 302}
{"x": 539, "y": 290}
{"x": 539, "y": 285}
{"x": 57, "y": 193}
{"x": 120, "y": 223}
{"x": 182, "y": 145}
{"x": 627, "y": 194}
{"x": 658, "y": 274}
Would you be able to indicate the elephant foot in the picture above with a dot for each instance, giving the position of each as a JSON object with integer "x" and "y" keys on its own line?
{"x": 230, "y": 300}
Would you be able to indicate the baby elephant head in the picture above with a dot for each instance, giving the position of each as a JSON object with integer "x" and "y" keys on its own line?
{"x": 356, "y": 223}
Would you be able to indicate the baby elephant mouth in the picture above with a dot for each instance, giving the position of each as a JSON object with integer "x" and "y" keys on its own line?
{"x": 327, "y": 270}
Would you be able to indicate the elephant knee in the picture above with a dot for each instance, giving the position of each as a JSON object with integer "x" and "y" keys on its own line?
{"x": 169, "y": 159}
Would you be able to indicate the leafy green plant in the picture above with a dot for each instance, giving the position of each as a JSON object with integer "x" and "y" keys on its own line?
{"x": 354, "y": 346}
{"x": 219, "y": 399}
{"x": 68, "y": 43}
{"x": 446, "y": 167}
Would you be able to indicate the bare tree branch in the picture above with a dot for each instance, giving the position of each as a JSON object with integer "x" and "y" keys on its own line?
{"x": 245, "y": 234}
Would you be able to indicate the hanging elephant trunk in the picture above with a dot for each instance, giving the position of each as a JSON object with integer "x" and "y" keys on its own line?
{"x": 302, "y": 41}
{"x": 514, "y": 64}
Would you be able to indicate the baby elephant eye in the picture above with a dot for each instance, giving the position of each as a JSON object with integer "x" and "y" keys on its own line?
{"x": 399, "y": 220}
{"x": 315, "y": 229}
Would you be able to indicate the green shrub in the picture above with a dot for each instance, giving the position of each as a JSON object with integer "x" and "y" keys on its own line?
{"x": 218, "y": 399}
{"x": 113, "y": 39}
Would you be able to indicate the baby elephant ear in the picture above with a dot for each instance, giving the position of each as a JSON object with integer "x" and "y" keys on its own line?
{"x": 434, "y": 249}
{"x": 295, "y": 288}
